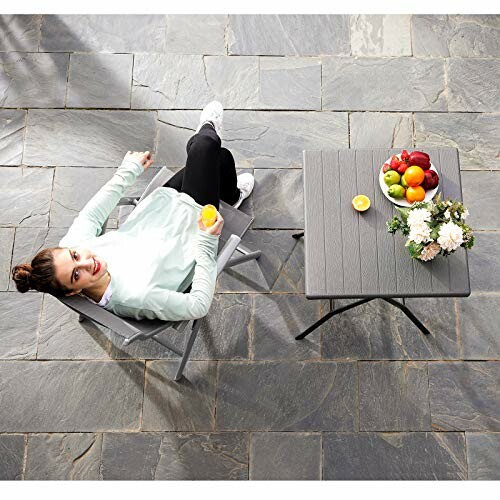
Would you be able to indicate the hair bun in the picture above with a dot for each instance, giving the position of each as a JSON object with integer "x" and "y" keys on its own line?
{"x": 21, "y": 275}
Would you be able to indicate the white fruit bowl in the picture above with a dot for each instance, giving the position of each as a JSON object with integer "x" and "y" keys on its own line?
{"x": 429, "y": 194}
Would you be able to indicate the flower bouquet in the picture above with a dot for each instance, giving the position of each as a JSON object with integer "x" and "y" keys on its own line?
{"x": 433, "y": 227}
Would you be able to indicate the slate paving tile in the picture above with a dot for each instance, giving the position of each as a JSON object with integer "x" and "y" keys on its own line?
{"x": 479, "y": 330}
{"x": 455, "y": 36}
{"x": 290, "y": 83}
{"x": 98, "y": 138}
{"x": 63, "y": 457}
{"x": 32, "y": 80}
{"x": 11, "y": 457}
{"x": 185, "y": 406}
{"x": 483, "y": 456}
{"x": 12, "y": 124}
{"x": 19, "y": 320}
{"x": 380, "y": 130}
{"x": 66, "y": 396}
{"x": 473, "y": 84}
{"x": 104, "y": 33}
{"x": 99, "y": 81}
{"x": 286, "y": 396}
{"x": 480, "y": 193}
{"x": 277, "y": 319}
{"x": 285, "y": 456}
{"x": 484, "y": 262}
{"x": 394, "y": 456}
{"x": 288, "y": 35}
{"x": 164, "y": 456}
{"x": 377, "y": 331}
{"x": 6, "y": 246}
{"x": 25, "y": 196}
{"x": 464, "y": 396}
{"x": 393, "y": 396}
{"x": 207, "y": 34}
{"x": 292, "y": 276}
{"x": 473, "y": 134}
{"x": 20, "y": 33}
{"x": 380, "y": 35}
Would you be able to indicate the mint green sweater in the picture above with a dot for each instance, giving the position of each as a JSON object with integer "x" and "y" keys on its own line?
{"x": 155, "y": 255}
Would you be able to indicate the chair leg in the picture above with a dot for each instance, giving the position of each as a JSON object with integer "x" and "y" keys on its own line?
{"x": 81, "y": 318}
{"x": 187, "y": 349}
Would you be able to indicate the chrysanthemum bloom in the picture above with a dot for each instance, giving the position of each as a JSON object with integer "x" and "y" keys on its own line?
{"x": 430, "y": 251}
{"x": 450, "y": 236}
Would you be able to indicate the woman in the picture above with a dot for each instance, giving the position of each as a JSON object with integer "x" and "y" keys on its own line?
{"x": 143, "y": 269}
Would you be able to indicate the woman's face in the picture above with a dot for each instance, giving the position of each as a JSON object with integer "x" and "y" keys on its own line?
{"x": 78, "y": 268}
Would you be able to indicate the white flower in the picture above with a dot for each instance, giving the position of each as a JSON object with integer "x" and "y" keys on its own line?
{"x": 447, "y": 214}
{"x": 418, "y": 216}
{"x": 420, "y": 233}
{"x": 465, "y": 214}
{"x": 450, "y": 236}
{"x": 430, "y": 251}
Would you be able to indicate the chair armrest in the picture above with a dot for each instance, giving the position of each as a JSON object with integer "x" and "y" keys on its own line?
{"x": 226, "y": 252}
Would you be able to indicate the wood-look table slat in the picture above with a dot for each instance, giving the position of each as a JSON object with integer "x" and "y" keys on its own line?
{"x": 350, "y": 254}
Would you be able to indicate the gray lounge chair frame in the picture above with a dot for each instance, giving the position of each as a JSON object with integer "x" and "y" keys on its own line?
{"x": 236, "y": 223}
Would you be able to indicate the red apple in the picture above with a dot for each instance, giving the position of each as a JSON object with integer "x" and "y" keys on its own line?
{"x": 431, "y": 180}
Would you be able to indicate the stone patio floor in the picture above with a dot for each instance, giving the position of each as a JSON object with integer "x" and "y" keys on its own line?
{"x": 365, "y": 397}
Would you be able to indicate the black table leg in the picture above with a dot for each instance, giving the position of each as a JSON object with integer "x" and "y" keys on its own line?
{"x": 298, "y": 235}
{"x": 410, "y": 315}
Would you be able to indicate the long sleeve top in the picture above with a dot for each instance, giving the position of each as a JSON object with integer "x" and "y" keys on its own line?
{"x": 155, "y": 255}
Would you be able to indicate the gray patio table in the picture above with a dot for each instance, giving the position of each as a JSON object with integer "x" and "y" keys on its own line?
{"x": 350, "y": 254}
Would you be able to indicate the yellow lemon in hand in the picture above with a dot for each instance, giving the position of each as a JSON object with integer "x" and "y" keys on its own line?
{"x": 208, "y": 215}
{"x": 361, "y": 203}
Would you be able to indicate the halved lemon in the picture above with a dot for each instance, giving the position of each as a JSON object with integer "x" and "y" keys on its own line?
{"x": 361, "y": 203}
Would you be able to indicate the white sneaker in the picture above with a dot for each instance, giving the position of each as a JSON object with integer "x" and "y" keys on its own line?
{"x": 245, "y": 183}
{"x": 212, "y": 113}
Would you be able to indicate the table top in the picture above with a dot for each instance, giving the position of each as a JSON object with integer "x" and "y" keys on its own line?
{"x": 350, "y": 254}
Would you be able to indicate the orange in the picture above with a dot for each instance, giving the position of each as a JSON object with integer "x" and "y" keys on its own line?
{"x": 208, "y": 215}
{"x": 414, "y": 175}
{"x": 361, "y": 202}
{"x": 415, "y": 193}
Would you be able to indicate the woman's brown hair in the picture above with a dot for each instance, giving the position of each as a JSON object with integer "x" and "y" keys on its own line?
{"x": 40, "y": 275}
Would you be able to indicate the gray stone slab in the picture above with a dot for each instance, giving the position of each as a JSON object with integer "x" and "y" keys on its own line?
{"x": 479, "y": 330}
{"x": 99, "y": 81}
{"x": 393, "y": 396}
{"x": 456, "y": 36}
{"x": 290, "y": 83}
{"x": 277, "y": 319}
{"x": 480, "y": 191}
{"x": 473, "y": 134}
{"x": 473, "y": 84}
{"x": 465, "y": 396}
{"x": 287, "y": 396}
{"x": 33, "y": 80}
{"x": 63, "y": 337}
{"x": 174, "y": 406}
{"x": 278, "y": 199}
{"x": 380, "y": 130}
{"x": 163, "y": 456}
{"x": 104, "y": 33}
{"x": 288, "y": 35}
{"x": 285, "y": 456}
{"x": 259, "y": 275}
{"x": 257, "y": 139}
{"x": 484, "y": 262}
{"x": 363, "y": 84}
{"x": 196, "y": 34}
{"x": 11, "y": 457}
{"x": 19, "y": 33}
{"x": 68, "y": 396}
{"x": 25, "y": 196}
{"x": 19, "y": 317}
{"x": 6, "y": 247}
{"x": 56, "y": 457}
{"x": 394, "y": 456}
{"x": 12, "y": 124}
{"x": 292, "y": 275}
{"x": 380, "y": 331}
{"x": 483, "y": 456}
{"x": 380, "y": 35}
{"x": 97, "y": 138}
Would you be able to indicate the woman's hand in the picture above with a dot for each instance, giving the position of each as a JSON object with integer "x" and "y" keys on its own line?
{"x": 143, "y": 157}
{"x": 216, "y": 229}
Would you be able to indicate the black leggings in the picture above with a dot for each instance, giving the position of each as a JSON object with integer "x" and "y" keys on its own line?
{"x": 210, "y": 173}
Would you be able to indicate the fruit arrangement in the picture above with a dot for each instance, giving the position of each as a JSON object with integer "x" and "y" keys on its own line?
{"x": 409, "y": 175}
